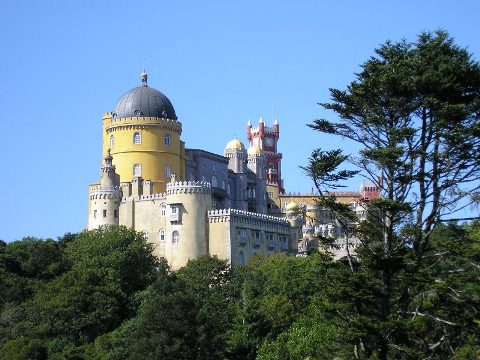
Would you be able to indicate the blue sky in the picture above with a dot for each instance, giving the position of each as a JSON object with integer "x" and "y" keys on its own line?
{"x": 64, "y": 63}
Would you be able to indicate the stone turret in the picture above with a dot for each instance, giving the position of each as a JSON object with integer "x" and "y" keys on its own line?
{"x": 236, "y": 154}
{"x": 105, "y": 198}
{"x": 186, "y": 231}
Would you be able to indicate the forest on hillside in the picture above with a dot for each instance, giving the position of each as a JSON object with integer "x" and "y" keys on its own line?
{"x": 102, "y": 295}
{"x": 410, "y": 290}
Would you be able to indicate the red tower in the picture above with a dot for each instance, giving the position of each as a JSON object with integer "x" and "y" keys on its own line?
{"x": 369, "y": 191}
{"x": 266, "y": 138}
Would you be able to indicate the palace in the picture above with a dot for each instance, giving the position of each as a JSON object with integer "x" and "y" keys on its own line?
{"x": 191, "y": 202}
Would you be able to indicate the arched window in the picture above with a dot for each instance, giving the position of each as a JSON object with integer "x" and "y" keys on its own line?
{"x": 137, "y": 138}
{"x": 167, "y": 171}
{"x": 229, "y": 189}
{"x": 145, "y": 235}
{"x": 163, "y": 209}
{"x": 167, "y": 139}
{"x": 112, "y": 141}
{"x": 161, "y": 235}
{"x": 175, "y": 237}
{"x": 242, "y": 258}
{"x": 224, "y": 185}
{"x": 214, "y": 181}
{"x": 137, "y": 170}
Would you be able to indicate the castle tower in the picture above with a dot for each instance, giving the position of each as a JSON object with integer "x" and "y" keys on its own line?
{"x": 369, "y": 191}
{"x": 266, "y": 138}
{"x": 256, "y": 161}
{"x": 236, "y": 154}
{"x": 186, "y": 229}
{"x": 105, "y": 199}
{"x": 256, "y": 193}
{"x": 143, "y": 134}
{"x": 294, "y": 217}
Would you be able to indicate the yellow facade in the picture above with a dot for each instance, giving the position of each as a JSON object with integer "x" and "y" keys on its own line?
{"x": 149, "y": 147}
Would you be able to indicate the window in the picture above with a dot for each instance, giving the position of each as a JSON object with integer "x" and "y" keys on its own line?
{"x": 137, "y": 170}
{"x": 271, "y": 241}
{"x": 242, "y": 258}
{"x": 214, "y": 181}
{"x": 167, "y": 139}
{"x": 115, "y": 213}
{"x": 161, "y": 235}
{"x": 258, "y": 238}
{"x": 104, "y": 213}
{"x": 224, "y": 185}
{"x": 167, "y": 171}
{"x": 112, "y": 141}
{"x": 175, "y": 213}
{"x": 137, "y": 138}
{"x": 175, "y": 237}
{"x": 163, "y": 209}
{"x": 145, "y": 235}
{"x": 94, "y": 214}
{"x": 243, "y": 236}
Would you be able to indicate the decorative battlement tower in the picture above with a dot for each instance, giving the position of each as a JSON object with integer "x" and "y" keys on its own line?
{"x": 266, "y": 138}
{"x": 188, "y": 203}
{"x": 236, "y": 154}
{"x": 143, "y": 133}
{"x": 105, "y": 199}
{"x": 369, "y": 191}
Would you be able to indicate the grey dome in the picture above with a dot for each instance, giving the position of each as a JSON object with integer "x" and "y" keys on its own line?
{"x": 144, "y": 101}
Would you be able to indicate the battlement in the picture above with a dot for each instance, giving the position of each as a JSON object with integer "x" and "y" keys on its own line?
{"x": 111, "y": 122}
{"x": 235, "y": 214}
{"x": 157, "y": 196}
{"x": 266, "y": 130}
{"x": 99, "y": 192}
{"x": 188, "y": 187}
{"x": 327, "y": 194}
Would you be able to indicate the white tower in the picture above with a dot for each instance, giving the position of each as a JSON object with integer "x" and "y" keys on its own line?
{"x": 105, "y": 199}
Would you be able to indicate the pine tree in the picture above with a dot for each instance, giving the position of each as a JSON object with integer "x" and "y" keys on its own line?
{"x": 414, "y": 109}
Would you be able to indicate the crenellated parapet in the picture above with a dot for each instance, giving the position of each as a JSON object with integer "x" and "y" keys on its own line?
{"x": 188, "y": 187}
{"x": 235, "y": 215}
{"x": 266, "y": 130}
{"x": 99, "y": 192}
{"x": 113, "y": 123}
{"x": 157, "y": 196}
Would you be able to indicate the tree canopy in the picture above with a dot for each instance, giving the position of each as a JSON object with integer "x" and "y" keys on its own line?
{"x": 414, "y": 108}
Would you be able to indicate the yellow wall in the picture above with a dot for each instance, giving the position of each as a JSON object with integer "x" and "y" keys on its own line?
{"x": 151, "y": 153}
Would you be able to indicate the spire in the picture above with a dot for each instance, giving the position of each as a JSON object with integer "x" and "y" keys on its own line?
{"x": 143, "y": 78}
{"x": 108, "y": 158}
{"x": 249, "y": 123}
{"x": 261, "y": 120}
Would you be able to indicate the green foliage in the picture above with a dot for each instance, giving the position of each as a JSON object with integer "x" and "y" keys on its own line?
{"x": 307, "y": 338}
{"x": 26, "y": 264}
{"x": 414, "y": 110}
{"x": 93, "y": 293}
{"x": 24, "y": 349}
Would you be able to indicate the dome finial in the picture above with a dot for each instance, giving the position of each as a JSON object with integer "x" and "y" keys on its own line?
{"x": 144, "y": 78}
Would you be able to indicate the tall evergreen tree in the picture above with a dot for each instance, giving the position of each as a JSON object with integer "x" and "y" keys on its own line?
{"x": 414, "y": 109}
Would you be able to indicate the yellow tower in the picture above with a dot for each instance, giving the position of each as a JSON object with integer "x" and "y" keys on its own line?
{"x": 143, "y": 135}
